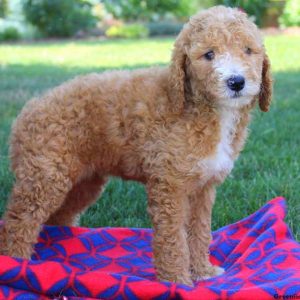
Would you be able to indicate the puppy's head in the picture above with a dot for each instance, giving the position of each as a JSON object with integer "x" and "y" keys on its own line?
{"x": 219, "y": 56}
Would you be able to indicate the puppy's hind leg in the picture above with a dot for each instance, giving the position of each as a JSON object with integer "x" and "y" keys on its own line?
{"x": 78, "y": 199}
{"x": 199, "y": 233}
{"x": 40, "y": 188}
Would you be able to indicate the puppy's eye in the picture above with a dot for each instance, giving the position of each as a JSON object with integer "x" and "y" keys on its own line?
{"x": 248, "y": 50}
{"x": 210, "y": 55}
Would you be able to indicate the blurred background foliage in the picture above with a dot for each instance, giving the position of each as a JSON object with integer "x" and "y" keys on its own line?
{"x": 255, "y": 8}
{"x": 291, "y": 14}
{"x": 147, "y": 10}
{"x": 59, "y": 18}
{"x": 3, "y": 8}
{"x": 31, "y": 19}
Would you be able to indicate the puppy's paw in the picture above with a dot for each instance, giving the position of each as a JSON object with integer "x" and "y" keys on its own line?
{"x": 207, "y": 273}
{"x": 186, "y": 280}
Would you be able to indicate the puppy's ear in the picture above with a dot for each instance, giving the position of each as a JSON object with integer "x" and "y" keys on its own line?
{"x": 265, "y": 94}
{"x": 177, "y": 75}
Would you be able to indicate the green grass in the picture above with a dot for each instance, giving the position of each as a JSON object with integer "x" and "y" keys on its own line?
{"x": 269, "y": 165}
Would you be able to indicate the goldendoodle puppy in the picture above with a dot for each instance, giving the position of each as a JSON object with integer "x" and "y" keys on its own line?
{"x": 178, "y": 129}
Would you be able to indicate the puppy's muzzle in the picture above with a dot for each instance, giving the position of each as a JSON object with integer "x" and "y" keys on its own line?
{"x": 236, "y": 83}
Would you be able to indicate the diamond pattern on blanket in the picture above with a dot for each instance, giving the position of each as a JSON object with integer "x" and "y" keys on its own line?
{"x": 260, "y": 257}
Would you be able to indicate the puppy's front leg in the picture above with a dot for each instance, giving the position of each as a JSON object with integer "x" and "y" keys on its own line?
{"x": 199, "y": 233}
{"x": 170, "y": 248}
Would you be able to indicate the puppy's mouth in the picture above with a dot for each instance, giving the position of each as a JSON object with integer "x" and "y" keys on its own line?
{"x": 236, "y": 95}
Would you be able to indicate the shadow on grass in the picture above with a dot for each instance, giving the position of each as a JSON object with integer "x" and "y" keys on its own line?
{"x": 40, "y": 76}
{"x": 89, "y": 42}
{"x": 49, "y": 69}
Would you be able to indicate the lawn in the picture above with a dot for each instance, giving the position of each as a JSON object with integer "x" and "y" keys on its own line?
{"x": 269, "y": 165}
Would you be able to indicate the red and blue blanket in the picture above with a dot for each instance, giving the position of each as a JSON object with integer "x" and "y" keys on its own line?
{"x": 260, "y": 257}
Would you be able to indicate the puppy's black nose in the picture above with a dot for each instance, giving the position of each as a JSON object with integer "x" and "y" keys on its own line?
{"x": 236, "y": 83}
